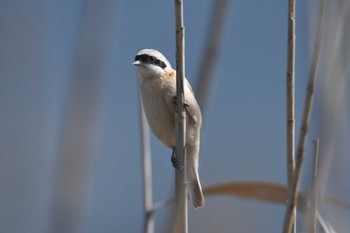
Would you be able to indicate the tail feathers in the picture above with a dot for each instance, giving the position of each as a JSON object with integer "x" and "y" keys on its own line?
{"x": 194, "y": 186}
{"x": 196, "y": 193}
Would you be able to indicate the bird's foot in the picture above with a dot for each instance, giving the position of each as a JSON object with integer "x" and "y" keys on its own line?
{"x": 174, "y": 160}
{"x": 175, "y": 101}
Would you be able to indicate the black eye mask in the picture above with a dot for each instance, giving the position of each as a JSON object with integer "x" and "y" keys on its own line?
{"x": 150, "y": 60}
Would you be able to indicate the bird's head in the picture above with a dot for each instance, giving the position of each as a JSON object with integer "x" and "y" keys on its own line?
{"x": 150, "y": 62}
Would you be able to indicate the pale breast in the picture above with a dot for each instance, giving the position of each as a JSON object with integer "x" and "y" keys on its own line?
{"x": 160, "y": 116}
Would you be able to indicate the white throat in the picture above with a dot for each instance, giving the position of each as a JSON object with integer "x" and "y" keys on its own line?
{"x": 146, "y": 71}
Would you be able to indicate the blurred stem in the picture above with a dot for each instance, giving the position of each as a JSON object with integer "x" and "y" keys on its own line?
{"x": 147, "y": 173}
{"x": 212, "y": 51}
{"x": 81, "y": 128}
{"x": 314, "y": 193}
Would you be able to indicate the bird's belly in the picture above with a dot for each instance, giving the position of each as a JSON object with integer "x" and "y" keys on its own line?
{"x": 160, "y": 118}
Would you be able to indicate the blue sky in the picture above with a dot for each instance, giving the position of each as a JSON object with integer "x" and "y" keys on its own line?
{"x": 53, "y": 51}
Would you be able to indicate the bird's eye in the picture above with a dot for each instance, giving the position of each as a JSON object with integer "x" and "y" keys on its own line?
{"x": 162, "y": 64}
{"x": 151, "y": 59}
{"x": 144, "y": 58}
{"x": 158, "y": 62}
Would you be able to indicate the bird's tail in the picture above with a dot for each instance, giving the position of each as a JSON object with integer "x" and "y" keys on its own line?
{"x": 194, "y": 185}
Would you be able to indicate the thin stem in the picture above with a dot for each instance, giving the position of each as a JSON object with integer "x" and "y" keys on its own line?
{"x": 290, "y": 103}
{"x": 293, "y": 199}
{"x": 147, "y": 173}
{"x": 180, "y": 223}
{"x": 211, "y": 52}
{"x": 314, "y": 193}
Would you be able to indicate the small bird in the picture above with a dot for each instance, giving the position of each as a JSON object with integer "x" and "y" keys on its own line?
{"x": 158, "y": 91}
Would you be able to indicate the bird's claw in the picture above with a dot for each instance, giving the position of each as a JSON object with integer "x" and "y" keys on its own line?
{"x": 175, "y": 101}
{"x": 176, "y": 163}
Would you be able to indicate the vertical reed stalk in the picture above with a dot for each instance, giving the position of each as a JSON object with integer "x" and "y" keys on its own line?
{"x": 293, "y": 198}
{"x": 314, "y": 193}
{"x": 180, "y": 223}
{"x": 215, "y": 36}
{"x": 147, "y": 173}
{"x": 290, "y": 103}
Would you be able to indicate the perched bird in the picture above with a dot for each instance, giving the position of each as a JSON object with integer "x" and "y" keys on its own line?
{"x": 158, "y": 91}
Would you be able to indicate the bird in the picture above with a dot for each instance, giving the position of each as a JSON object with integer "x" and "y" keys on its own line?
{"x": 157, "y": 81}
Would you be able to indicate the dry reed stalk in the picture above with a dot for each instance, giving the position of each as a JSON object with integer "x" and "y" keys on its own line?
{"x": 81, "y": 132}
{"x": 211, "y": 52}
{"x": 314, "y": 193}
{"x": 334, "y": 105}
{"x": 262, "y": 191}
{"x": 290, "y": 102}
{"x": 293, "y": 199}
{"x": 148, "y": 226}
{"x": 180, "y": 222}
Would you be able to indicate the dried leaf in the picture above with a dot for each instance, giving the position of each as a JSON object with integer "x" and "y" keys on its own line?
{"x": 264, "y": 191}
{"x": 251, "y": 190}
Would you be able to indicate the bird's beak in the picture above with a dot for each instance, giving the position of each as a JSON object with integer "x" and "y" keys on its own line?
{"x": 136, "y": 63}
